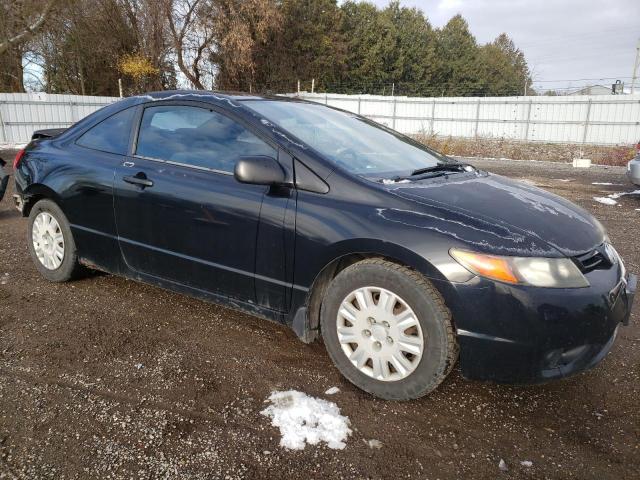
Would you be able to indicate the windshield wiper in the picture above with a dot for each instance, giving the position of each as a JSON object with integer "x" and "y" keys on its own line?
{"x": 443, "y": 167}
{"x": 437, "y": 171}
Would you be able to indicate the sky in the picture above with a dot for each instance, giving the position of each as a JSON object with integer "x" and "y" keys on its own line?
{"x": 564, "y": 41}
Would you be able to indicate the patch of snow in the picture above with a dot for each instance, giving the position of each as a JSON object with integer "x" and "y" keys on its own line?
{"x": 622, "y": 194}
{"x": 332, "y": 391}
{"x": 611, "y": 199}
{"x": 565, "y": 179}
{"x": 502, "y": 465}
{"x": 605, "y": 200}
{"x": 12, "y": 146}
{"x": 604, "y": 183}
{"x": 391, "y": 181}
{"x": 526, "y": 463}
{"x": 373, "y": 443}
{"x": 304, "y": 419}
{"x": 138, "y": 366}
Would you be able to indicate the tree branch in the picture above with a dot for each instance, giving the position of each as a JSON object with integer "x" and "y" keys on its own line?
{"x": 30, "y": 30}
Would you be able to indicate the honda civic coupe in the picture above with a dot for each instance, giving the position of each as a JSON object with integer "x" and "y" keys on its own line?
{"x": 400, "y": 259}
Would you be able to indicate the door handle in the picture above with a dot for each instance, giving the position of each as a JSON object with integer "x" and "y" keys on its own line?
{"x": 140, "y": 179}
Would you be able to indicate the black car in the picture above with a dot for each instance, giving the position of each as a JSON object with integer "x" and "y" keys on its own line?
{"x": 400, "y": 258}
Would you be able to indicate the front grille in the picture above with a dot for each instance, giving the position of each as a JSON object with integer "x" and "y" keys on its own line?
{"x": 593, "y": 260}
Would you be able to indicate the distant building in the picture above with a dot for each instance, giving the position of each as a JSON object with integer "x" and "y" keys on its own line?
{"x": 593, "y": 90}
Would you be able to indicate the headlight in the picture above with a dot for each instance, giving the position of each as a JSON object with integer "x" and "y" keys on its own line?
{"x": 537, "y": 272}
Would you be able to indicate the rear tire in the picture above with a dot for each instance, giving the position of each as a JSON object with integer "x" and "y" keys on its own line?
{"x": 51, "y": 243}
{"x": 405, "y": 330}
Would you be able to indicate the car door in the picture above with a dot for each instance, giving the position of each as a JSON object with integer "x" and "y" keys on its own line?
{"x": 180, "y": 213}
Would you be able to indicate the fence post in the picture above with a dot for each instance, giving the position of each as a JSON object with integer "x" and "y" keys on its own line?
{"x": 74, "y": 112}
{"x": 433, "y": 116}
{"x": 5, "y": 139}
{"x": 393, "y": 118}
{"x": 477, "y": 118}
{"x": 586, "y": 122}
{"x": 526, "y": 126}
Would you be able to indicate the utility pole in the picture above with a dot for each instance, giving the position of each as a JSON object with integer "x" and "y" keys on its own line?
{"x": 634, "y": 77}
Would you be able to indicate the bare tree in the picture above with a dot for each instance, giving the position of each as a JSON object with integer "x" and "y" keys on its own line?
{"x": 28, "y": 30}
{"x": 193, "y": 33}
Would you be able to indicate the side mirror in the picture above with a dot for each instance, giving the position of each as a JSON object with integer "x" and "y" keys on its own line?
{"x": 259, "y": 170}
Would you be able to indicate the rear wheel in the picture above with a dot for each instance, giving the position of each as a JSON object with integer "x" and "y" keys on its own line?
{"x": 51, "y": 243}
{"x": 388, "y": 330}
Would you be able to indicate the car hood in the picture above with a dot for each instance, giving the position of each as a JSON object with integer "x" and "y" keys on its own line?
{"x": 499, "y": 215}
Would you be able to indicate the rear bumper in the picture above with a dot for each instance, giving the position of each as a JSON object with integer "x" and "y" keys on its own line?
{"x": 526, "y": 335}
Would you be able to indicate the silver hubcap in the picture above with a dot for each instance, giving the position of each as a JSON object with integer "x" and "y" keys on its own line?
{"x": 380, "y": 334}
{"x": 48, "y": 241}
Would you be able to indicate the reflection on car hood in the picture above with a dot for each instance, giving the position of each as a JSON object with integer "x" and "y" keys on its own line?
{"x": 499, "y": 215}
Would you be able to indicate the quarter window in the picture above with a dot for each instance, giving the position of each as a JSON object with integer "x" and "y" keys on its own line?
{"x": 110, "y": 135}
{"x": 196, "y": 136}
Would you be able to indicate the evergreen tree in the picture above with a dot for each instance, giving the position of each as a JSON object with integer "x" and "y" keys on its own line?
{"x": 504, "y": 68}
{"x": 412, "y": 64}
{"x": 458, "y": 72}
{"x": 309, "y": 46}
{"x": 370, "y": 44}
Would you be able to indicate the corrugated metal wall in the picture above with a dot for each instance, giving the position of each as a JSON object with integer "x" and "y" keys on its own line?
{"x": 596, "y": 120}
{"x": 22, "y": 113}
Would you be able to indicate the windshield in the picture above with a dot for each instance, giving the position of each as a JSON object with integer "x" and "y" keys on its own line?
{"x": 355, "y": 143}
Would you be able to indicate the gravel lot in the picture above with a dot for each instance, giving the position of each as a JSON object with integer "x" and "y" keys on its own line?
{"x": 108, "y": 378}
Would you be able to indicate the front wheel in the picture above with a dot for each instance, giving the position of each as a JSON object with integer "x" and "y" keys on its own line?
{"x": 388, "y": 330}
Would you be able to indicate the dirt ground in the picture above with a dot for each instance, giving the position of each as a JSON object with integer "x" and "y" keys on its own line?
{"x": 108, "y": 378}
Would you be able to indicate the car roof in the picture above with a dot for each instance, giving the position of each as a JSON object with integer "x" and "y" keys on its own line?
{"x": 211, "y": 95}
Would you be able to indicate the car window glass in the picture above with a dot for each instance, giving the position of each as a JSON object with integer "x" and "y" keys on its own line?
{"x": 196, "y": 136}
{"x": 110, "y": 135}
{"x": 351, "y": 141}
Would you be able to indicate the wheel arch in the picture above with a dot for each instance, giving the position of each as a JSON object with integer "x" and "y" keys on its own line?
{"x": 38, "y": 191}
{"x": 306, "y": 319}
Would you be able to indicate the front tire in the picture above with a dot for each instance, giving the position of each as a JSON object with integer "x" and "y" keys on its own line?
{"x": 51, "y": 243}
{"x": 388, "y": 330}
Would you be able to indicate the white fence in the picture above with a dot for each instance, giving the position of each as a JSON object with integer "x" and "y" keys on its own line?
{"x": 598, "y": 119}
{"x": 594, "y": 119}
{"x": 22, "y": 113}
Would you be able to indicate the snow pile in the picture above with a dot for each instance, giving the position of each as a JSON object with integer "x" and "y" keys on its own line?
{"x": 304, "y": 419}
{"x": 605, "y": 200}
{"x": 611, "y": 199}
{"x": 332, "y": 391}
{"x": 604, "y": 183}
{"x": 622, "y": 194}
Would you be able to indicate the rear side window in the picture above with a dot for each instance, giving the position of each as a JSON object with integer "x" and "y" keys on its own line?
{"x": 111, "y": 135}
{"x": 196, "y": 136}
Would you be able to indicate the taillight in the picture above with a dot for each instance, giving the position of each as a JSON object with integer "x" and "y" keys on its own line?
{"x": 16, "y": 161}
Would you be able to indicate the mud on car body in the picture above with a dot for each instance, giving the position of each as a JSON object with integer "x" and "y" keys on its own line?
{"x": 401, "y": 259}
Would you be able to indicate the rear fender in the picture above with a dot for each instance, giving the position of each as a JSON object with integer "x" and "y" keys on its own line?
{"x": 38, "y": 191}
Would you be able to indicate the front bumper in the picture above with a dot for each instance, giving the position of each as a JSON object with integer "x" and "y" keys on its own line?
{"x": 516, "y": 334}
{"x": 633, "y": 170}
